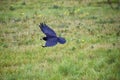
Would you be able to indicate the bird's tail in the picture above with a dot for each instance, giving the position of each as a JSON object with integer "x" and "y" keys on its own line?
{"x": 61, "y": 40}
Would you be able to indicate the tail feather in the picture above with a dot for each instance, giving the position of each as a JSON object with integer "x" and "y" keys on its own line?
{"x": 61, "y": 40}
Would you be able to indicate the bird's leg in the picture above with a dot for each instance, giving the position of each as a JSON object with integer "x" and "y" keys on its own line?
{"x": 44, "y": 46}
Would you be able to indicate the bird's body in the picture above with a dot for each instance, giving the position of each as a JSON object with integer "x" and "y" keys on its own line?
{"x": 51, "y": 37}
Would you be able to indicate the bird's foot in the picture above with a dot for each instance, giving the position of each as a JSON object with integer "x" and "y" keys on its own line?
{"x": 44, "y": 46}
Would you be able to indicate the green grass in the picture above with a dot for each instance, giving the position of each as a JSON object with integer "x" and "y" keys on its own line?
{"x": 92, "y": 31}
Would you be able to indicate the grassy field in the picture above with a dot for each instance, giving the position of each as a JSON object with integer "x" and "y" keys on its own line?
{"x": 92, "y": 31}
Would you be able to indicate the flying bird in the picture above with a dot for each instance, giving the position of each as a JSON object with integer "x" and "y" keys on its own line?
{"x": 51, "y": 37}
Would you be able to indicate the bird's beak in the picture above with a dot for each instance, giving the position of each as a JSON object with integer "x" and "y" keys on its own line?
{"x": 41, "y": 39}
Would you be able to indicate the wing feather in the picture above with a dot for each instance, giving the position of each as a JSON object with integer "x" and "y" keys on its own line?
{"x": 46, "y": 30}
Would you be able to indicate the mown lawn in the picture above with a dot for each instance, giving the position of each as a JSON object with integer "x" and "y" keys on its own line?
{"x": 92, "y": 31}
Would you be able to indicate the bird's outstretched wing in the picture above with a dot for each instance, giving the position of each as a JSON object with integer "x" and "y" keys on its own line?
{"x": 46, "y": 30}
{"x": 51, "y": 42}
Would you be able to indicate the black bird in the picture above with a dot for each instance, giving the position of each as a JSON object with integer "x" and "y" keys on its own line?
{"x": 51, "y": 37}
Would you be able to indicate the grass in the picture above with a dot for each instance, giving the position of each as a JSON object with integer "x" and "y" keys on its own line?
{"x": 92, "y": 31}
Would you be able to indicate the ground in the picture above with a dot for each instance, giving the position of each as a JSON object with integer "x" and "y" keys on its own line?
{"x": 91, "y": 29}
